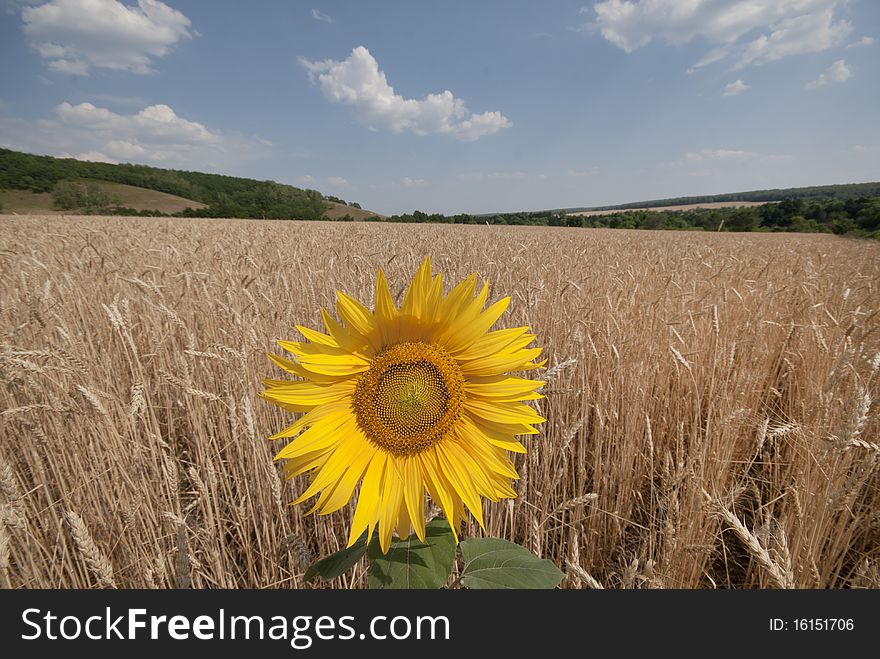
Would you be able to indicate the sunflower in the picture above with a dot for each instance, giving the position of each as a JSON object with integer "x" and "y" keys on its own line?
{"x": 408, "y": 400}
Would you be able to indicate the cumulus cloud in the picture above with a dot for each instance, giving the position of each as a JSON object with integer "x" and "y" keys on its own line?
{"x": 789, "y": 27}
{"x": 153, "y": 135}
{"x": 77, "y": 35}
{"x": 414, "y": 182}
{"x": 154, "y": 123}
{"x": 837, "y": 72}
{"x": 358, "y": 82}
{"x": 318, "y": 15}
{"x": 735, "y": 88}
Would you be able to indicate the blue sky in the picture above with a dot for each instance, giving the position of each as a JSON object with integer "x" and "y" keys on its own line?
{"x": 455, "y": 106}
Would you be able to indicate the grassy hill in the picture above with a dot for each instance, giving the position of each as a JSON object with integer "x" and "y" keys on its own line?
{"x": 183, "y": 192}
{"x": 337, "y": 211}
{"x": 126, "y": 196}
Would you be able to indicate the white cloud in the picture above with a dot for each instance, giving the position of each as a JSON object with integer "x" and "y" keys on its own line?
{"x": 837, "y": 72}
{"x": 357, "y": 81}
{"x": 790, "y": 27}
{"x": 76, "y": 35}
{"x": 70, "y": 67}
{"x": 320, "y": 16}
{"x": 156, "y": 122}
{"x": 809, "y": 33}
{"x": 153, "y": 135}
{"x": 126, "y": 150}
{"x": 414, "y": 182}
{"x": 863, "y": 42}
{"x": 735, "y": 88}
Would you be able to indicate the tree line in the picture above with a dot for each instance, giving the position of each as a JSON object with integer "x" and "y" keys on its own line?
{"x": 858, "y": 216}
{"x": 842, "y": 191}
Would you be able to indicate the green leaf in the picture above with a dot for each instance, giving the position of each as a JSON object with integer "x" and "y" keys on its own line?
{"x": 412, "y": 563}
{"x": 496, "y": 563}
{"x": 342, "y": 561}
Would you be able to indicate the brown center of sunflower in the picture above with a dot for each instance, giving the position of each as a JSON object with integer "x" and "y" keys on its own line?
{"x": 410, "y": 398}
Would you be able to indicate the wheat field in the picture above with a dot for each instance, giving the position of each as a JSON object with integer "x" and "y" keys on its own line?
{"x": 709, "y": 400}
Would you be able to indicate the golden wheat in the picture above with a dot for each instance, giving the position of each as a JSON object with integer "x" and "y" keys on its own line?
{"x": 710, "y": 399}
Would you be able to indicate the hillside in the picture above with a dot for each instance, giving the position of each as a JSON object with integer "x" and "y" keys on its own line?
{"x": 125, "y": 196}
{"x": 337, "y": 211}
{"x": 211, "y": 195}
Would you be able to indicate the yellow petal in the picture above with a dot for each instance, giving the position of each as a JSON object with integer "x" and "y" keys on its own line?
{"x": 338, "y": 408}
{"x": 493, "y": 343}
{"x": 502, "y": 363}
{"x": 458, "y": 315}
{"x": 467, "y": 332}
{"x": 323, "y": 434}
{"x": 317, "y": 337}
{"x": 386, "y": 313}
{"x": 355, "y": 315}
{"x": 502, "y": 412}
{"x": 389, "y": 507}
{"x": 504, "y": 388}
{"x": 414, "y": 495}
{"x": 460, "y": 478}
{"x": 339, "y": 460}
{"x": 486, "y": 450}
{"x": 416, "y": 297}
{"x": 441, "y": 491}
{"x": 346, "y": 338}
{"x": 337, "y": 495}
{"x": 365, "y": 513}
{"x": 308, "y": 394}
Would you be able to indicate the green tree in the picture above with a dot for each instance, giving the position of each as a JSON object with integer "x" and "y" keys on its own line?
{"x": 73, "y": 195}
{"x": 742, "y": 219}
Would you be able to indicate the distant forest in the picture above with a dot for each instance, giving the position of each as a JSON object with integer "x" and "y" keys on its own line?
{"x": 849, "y": 209}
{"x": 840, "y": 191}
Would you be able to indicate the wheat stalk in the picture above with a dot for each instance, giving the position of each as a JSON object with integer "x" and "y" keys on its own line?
{"x": 97, "y": 562}
{"x": 779, "y": 576}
